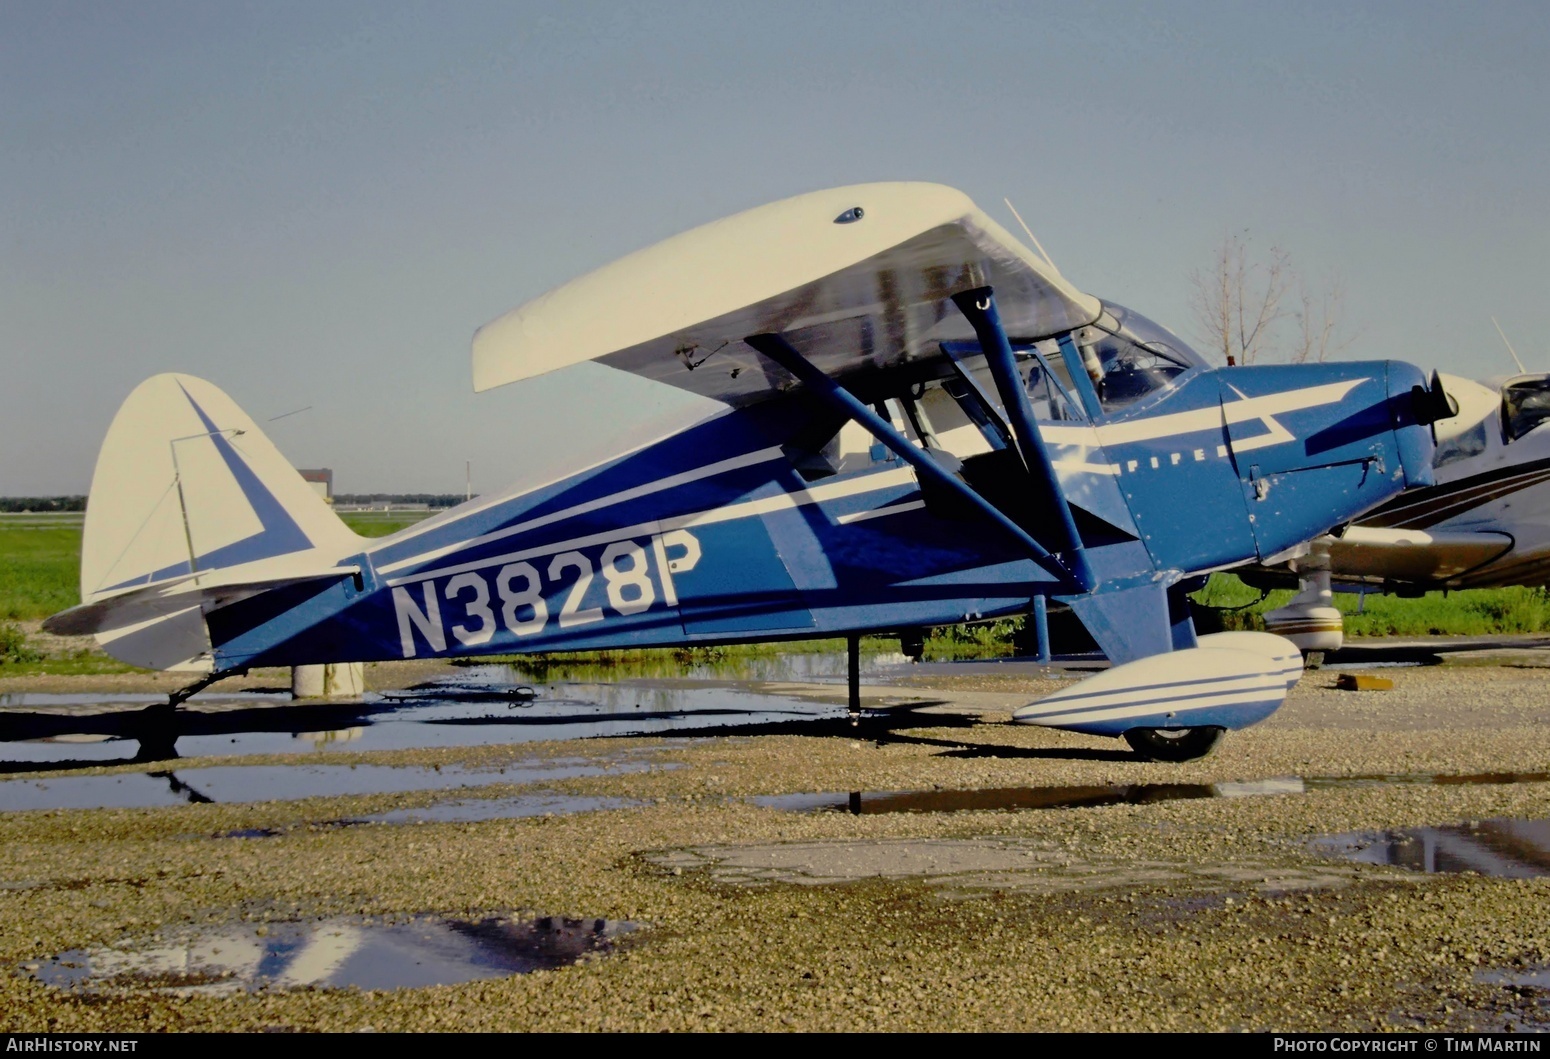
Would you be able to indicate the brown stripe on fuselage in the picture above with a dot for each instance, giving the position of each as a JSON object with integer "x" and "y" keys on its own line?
{"x": 1438, "y": 503}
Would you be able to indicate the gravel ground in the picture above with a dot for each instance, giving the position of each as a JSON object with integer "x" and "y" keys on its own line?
{"x": 1197, "y": 914}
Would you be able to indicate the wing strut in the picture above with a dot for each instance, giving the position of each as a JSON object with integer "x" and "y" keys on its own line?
{"x": 979, "y": 306}
{"x": 781, "y": 352}
{"x": 995, "y": 422}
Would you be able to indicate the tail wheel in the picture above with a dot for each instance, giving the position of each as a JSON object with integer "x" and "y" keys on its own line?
{"x": 1173, "y": 744}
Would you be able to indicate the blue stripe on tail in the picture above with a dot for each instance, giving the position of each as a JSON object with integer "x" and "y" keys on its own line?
{"x": 280, "y": 534}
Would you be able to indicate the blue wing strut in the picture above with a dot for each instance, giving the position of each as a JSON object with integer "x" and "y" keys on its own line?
{"x": 1071, "y": 570}
{"x": 980, "y": 308}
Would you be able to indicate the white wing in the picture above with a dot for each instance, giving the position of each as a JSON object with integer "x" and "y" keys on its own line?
{"x": 855, "y": 277}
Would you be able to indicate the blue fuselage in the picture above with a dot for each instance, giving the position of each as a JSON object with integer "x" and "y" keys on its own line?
{"x": 715, "y": 535}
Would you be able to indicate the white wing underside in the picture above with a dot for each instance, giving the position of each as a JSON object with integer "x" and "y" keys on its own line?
{"x": 868, "y": 293}
{"x": 1413, "y": 555}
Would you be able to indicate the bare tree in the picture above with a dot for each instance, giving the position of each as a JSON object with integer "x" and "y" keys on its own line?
{"x": 1317, "y": 321}
{"x": 1240, "y": 305}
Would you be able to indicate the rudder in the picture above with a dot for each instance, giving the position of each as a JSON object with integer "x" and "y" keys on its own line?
{"x": 187, "y": 483}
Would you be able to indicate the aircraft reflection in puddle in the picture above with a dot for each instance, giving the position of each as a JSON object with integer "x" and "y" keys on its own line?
{"x": 861, "y": 803}
{"x": 1501, "y": 848}
{"x": 475, "y": 706}
{"x": 335, "y": 953}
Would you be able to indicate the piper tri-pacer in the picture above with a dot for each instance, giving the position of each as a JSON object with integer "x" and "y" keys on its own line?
{"x": 1484, "y": 524}
{"x": 925, "y": 423}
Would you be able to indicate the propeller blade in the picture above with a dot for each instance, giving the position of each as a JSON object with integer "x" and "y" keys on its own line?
{"x": 1433, "y": 402}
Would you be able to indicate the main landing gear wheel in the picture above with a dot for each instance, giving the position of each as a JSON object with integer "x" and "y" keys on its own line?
{"x": 1173, "y": 744}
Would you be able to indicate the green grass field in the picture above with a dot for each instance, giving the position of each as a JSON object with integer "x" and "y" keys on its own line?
{"x": 1475, "y": 612}
{"x": 40, "y": 562}
{"x": 381, "y": 523}
{"x": 39, "y": 570}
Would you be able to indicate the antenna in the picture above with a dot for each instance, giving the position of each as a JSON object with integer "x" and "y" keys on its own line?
{"x": 1521, "y": 369}
{"x": 294, "y": 411}
{"x": 1039, "y": 246}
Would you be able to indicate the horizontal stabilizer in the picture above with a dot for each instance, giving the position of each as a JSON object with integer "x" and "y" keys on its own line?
{"x": 136, "y": 606}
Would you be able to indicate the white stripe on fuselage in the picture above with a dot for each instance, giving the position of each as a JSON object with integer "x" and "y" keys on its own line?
{"x": 1151, "y": 428}
{"x": 745, "y": 509}
{"x": 1086, "y": 466}
{"x": 880, "y": 512}
{"x": 636, "y": 492}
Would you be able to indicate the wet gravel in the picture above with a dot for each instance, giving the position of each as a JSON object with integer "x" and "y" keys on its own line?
{"x": 1210, "y": 914}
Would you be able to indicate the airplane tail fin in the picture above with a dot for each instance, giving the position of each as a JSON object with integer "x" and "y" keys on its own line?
{"x": 191, "y": 507}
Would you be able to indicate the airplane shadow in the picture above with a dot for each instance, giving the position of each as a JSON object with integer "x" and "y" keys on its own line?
{"x": 158, "y": 728}
{"x": 1432, "y": 653}
{"x": 1014, "y": 753}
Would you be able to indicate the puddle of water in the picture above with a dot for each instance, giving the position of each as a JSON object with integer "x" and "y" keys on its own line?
{"x": 247, "y": 783}
{"x": 1500, "y": 848}
{"x": 337, "y": 953}
{"x": 1530, "y": 1003}
{"x": 475, "y": 706}
{"x": 585, "y": 710}
{"x": 1527, "y": 978}
{"x": 463, "y": 812}
{"x": 803, "y": 666}
{"x": 107, "y": 701}
{"x": 1009, "y": 798}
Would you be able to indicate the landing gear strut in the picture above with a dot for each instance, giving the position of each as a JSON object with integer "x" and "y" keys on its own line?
{"x": 853, "y": 676}
{"x": 157, "y": 733}
{"x": 1310, "y": 620}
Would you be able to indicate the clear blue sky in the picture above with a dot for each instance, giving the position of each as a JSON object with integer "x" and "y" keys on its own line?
{"x": 318, "y": 203}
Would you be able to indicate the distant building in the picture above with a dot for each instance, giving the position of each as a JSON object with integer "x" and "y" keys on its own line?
{"x": 321, "y": 480}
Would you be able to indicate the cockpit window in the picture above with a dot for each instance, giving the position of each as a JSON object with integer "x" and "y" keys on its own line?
{"x": 1049, "y": 387}
{"x": 1525, "y": 405}
{"x": 1128, "y": 356}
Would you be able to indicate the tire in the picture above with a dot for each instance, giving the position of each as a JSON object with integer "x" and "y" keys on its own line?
{"x": 1313, "y": 660}
{"x": 1173, "y": 744}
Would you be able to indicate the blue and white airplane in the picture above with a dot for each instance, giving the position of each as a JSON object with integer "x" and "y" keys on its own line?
{"x": 925, "y": 423}
{"x": 1484, "y": 524}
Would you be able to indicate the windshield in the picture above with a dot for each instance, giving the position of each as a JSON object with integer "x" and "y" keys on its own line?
{"x": 1525, "y": 405}
{"x": 1471, "y": 442}
{"x": 1132, "y": 356}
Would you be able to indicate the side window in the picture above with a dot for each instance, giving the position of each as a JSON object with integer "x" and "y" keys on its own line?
{"x": 1047, "y": 393}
